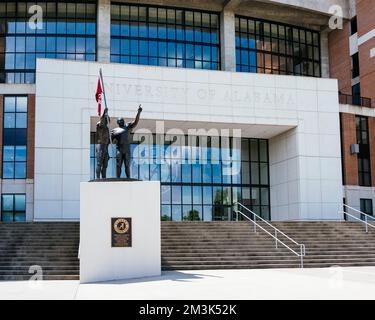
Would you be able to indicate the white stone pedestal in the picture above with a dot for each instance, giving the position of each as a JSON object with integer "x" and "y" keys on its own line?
{"x": 102, "y": 201}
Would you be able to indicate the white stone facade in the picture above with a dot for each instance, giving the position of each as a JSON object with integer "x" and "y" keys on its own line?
{"x": 299, "y": 115}
{"x": 354, "y": 194}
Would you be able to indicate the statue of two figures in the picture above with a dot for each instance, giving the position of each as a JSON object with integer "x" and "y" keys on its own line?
{"x": 121, "y": 136}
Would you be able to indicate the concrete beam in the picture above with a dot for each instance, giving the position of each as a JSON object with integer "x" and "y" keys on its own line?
{"x": 318, "y": 6}
{"x": 231, "y": 4}
{"x": 8, "y": 88}
{"x": 283, "y": 14}
{"x": 210, "y": 5}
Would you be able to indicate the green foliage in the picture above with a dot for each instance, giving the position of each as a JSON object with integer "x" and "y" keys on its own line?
{"x": 165, "y": 218}
{"x": 193, "y": 216}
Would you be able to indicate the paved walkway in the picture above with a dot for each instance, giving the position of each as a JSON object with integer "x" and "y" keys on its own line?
{"x": 333, "y": 283}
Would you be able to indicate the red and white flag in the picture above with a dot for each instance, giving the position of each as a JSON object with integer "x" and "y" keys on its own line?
{"x": 98, "y": 96}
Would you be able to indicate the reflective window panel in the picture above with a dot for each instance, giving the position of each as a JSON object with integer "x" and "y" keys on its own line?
{"x": 44, "y": 29}
{"x": 15, "y": 137}
{"x": 13, "y": 208}
{"x": 201, "y": 182}
{"x": 162, "y": 36}
{"x": 268, "y": 47}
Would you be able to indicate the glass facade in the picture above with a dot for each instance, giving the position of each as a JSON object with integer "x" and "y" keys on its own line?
{"x": 15, "y": 137}
{"x": 67, "y": 30}
{"x": 364, "y": 161}
{"x": 201, "y": 183}
{"x": 268, "y": 47}
{"x": 165, "y": 37}
{"x": 13, "y": 208}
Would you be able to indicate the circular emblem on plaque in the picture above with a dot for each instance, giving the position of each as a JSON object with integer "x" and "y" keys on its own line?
{"x": 121, "y": 226}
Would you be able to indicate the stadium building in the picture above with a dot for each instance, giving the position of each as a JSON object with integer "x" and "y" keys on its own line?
{"x": 266, "y": 89}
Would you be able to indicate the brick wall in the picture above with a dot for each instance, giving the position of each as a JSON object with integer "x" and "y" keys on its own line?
{"x": 349, "y": 137}
{"x": 366, "y": 23}
{"x": 30, "y": 137}
{"x": 339, "y": 56}
{"x": 365, "y": 16}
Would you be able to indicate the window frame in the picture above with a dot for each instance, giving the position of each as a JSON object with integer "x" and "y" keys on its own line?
{"x": 14, "y": 211}
{"x": 235, "y": 185}
{"x": 15, "y": 131}
{"x": 364, "y": 154}
{"x": 24, "y": 70}
{"x": 262, "y": 54}
{"x": 167, "y": 61}
{"x": 356, "y": 94}
{"x": 364, "y": 204}
{"x": 355, "y": 65}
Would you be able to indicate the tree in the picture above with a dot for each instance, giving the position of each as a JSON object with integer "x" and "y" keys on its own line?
{"x": 165, "y": 218}
{"x": 193, "y": 216}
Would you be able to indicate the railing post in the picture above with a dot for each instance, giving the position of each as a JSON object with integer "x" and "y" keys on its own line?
{"x": 302, "y": 254}
{"x": 276, "y": 239}
{"x": 366, "y": 224}
{"x": 255, "y": 223}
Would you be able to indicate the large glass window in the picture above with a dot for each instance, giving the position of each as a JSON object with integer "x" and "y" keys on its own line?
{"x": 355, "y": 65}
{"x": 366, "y": 207}
{"x": 67, "y": 31}
{"x": 13, "y": 208}
{"x": 268, "y": 47}
{"x": 364, "y": 162}
{"x": 165, "y": 37}
{"x": 356, "y": 93}
{"x": 198, "y": 182}
{"x": 15, "y": 137}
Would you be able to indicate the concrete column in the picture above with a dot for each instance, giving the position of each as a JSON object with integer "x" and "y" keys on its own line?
{"x": 104, "y": 31}
{"x": 29, "y": 200}
{"x": 324, "y": 44}
{"x": 228, "y": 41}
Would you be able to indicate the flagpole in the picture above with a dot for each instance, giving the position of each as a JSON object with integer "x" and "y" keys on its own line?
{"x": 108, "y": 122}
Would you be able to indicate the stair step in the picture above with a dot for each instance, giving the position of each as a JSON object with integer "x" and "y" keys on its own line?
{"x": 192, "y": 246}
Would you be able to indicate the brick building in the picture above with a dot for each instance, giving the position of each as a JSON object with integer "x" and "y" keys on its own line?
{"x": 352, "y": 60}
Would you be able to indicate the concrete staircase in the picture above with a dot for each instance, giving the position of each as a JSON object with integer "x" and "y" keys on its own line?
{"x": 52, "y": 246}
{"x": 344, "y": 244}
{"x": 222, "y": 245}
{"x": 191, "y": 246}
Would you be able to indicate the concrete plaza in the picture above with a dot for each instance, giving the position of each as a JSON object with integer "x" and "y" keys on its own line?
{"x": 330, "y": 283}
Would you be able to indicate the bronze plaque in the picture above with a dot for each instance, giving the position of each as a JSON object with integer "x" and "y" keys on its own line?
{"x": 121, "y": 229}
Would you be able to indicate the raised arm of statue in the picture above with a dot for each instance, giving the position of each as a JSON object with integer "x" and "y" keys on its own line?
{"x": 104, "y": 119}
{"x": 132, "y": 125}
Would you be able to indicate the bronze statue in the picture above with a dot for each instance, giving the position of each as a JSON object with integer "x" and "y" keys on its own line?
{"x": 121, "y": 136}
{"x": 103, "y": 140}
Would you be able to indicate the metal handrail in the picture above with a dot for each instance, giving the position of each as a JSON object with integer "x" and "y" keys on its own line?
{"x": 356, "y": 218}
{"x": 355, "y": 100}
{"x": 275, "y": 236}
{"x": 356, "y": 210}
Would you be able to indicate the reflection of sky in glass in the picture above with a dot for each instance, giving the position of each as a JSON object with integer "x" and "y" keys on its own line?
{"x": 13, "y": 208}
{"x": 203, "y": 190}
